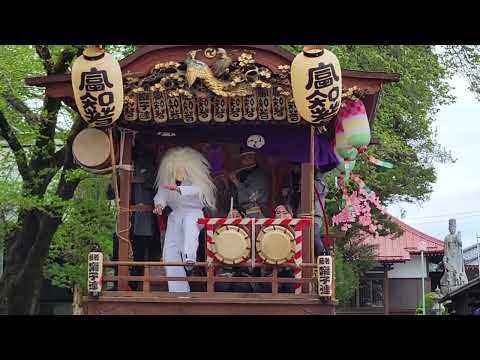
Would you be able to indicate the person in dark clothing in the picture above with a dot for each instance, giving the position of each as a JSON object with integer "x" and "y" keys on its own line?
{"x": 144, "y": 229}
{"x": 290, "y": 189}
{"x": 252, "y": 186}
{"x": 144, "y": 233}
{"x": 291, "y": 194}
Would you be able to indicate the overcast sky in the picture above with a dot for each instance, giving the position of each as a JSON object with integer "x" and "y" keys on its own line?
{"x": 456, "y": 193}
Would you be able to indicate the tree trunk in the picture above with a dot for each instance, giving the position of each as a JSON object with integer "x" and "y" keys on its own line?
{"x": 77, "y": 300}
{"x": 27, "y": 250}
{"x": 2, "y": 249}
{"x": 27, "y": 246}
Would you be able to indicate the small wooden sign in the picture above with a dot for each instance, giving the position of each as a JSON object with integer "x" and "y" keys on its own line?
{"x": 324, "y": 274}
{"x": 235, "y": 107}
{"x": 204, "y": 108}
{"x": 95, "y": 273}
{"x": 189, "y": 109}
{"x": 144, "y": 106}
{"x": 174, "y": 107}
{"x": 292, "y": 113}
{"x": 250, "y": 107}
{"x": 220, "y": 109}
{"x": 130, "y": 112}
{"x": 279, "y": 110}
{"x": 264, "y": 104}
{"x": 159, "y": 105}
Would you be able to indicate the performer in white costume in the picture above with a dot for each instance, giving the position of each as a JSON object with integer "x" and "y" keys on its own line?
{"x": 184, "y": 184}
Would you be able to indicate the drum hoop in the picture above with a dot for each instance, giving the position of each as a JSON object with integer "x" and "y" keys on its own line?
{"x": 76, "y": 146}
{"x": 260, "y": 237}
{"x": 218, "y": 256}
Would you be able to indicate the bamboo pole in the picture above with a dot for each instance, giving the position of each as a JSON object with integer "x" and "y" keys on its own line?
{"x": 123, "y": 215}
{"x": 114, "y": 170}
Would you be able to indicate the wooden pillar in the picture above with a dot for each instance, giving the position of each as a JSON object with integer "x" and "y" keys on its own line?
{"x": 386, "y": 296}
{"x": 1, "y": 256}
{"x": 273, "y": 194}
{"x": 357, "y": 297}
{"x": 123, "y": 215}
{"x": 307, "y": 208}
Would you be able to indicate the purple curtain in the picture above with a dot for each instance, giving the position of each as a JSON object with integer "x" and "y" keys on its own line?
{"x": 290, "y": 143}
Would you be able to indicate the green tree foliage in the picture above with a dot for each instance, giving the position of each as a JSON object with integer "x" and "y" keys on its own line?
{"x": 429, "y": 303}
{"x": 404, "y": 124}
{"x": 39, "y": 177}
{"x": 88, "y": 224}
{"x": 346, "y": 278}
{"x": 406, "y": 112}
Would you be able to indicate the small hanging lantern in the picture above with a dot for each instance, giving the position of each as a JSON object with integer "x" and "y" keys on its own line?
{"x": 98, "y": 87}
{"x": 316, "y": 84}
{"x": 354, "y": 120}
{"x": 342, "y": 147}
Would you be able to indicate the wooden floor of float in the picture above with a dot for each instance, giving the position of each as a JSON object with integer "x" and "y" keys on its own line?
{"x": 164, "y": 303}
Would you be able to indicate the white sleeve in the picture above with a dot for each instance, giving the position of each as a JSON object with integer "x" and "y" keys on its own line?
{"x": 161, "y": 197}
{"x": 189, "y": 190}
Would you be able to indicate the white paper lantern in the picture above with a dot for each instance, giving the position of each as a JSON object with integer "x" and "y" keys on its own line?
{"x": 98, "y": 87}
{"x": 316, "y": 84}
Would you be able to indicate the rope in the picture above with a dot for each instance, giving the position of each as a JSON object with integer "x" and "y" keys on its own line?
{"x": 114, "y": 170}
{"x": 323, "y": 210}
{"x": 121, "y": 210}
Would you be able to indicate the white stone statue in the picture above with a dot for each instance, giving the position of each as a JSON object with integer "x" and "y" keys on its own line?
{"x": 454, "y": 275}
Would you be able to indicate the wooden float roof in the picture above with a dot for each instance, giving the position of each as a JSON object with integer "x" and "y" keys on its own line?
{"x": 270, "y": 56}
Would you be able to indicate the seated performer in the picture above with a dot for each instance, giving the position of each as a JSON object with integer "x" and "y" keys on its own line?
{"x": 291, "y": 195}
{"x": 252, "y": 186}
{"x": 184, "y": 184}
{"x": 290, "y": 188}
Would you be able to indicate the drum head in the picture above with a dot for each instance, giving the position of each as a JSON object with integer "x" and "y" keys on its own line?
{"x": 231, "y": 244}
{"x": 276, "y": 244}
{"x": 91, "y": 147}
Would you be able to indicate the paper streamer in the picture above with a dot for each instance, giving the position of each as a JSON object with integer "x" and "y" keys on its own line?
{"x": 380, "y": 163}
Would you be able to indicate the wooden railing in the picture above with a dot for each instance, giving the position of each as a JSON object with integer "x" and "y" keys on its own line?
{"x": 147, "y": 280}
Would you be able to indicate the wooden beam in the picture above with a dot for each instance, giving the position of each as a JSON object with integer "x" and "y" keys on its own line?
{"x": 205, "y": 279}
{"x": 375, "y": 141}
{"x": 307, "y": 207}
{"x": 197, "y": 264}
{"x": 142, "y": 60}
{"x": 386, "y": 297}
{"x": 123, "y": 216}
{"x": 371, "y": 103}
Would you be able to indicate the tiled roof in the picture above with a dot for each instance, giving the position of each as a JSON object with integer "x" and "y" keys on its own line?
{"x": 401, "y": 248}
{"x": 470, "y": 256}
{"x": 469, "y": 285}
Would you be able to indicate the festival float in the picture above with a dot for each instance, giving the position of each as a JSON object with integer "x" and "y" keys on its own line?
{"x": 302, "y": 110}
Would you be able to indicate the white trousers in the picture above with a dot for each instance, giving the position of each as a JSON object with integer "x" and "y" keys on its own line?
{"x": 181, "y": 243}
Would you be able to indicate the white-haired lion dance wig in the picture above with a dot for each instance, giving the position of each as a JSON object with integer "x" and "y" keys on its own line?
{"x": 197, "y": 172}
{"x": 196, "y": 191}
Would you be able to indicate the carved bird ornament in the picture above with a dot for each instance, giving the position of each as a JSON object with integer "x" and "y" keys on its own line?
{"x": 197, "y": 69}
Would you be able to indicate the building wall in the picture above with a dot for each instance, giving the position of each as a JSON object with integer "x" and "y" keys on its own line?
{"x": 408, "y": 270}
{"x": 406, "y": 293}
